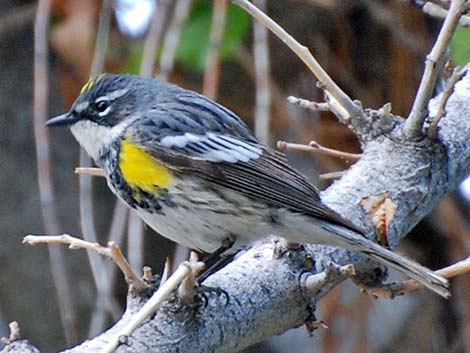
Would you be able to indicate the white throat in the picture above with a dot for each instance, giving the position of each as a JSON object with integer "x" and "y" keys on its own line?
{"x": 93, "y": 137}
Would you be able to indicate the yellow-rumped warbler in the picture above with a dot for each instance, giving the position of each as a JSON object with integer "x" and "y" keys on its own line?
{"x": 196, "y": 174}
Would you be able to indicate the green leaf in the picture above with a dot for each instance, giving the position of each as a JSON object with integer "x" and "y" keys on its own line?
{"x": 133, "y": 62}
{"x": 195, "y": 34}
{"x": 460, "y": 46}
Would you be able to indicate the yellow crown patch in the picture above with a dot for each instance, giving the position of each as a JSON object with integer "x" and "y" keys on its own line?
{"x": 90, "y": 83}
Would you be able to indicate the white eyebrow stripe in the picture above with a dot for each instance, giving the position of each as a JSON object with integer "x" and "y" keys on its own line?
{"x": 115, "y": 94}
{"x": 101, "y": 99}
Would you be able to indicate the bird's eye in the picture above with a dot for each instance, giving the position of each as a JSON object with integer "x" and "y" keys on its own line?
{"x": 102, "y": 106}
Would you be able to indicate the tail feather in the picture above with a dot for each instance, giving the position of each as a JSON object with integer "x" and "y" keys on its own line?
{"x": 423, "y": 275}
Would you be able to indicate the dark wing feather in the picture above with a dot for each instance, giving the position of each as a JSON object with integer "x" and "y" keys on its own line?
{"x": 268, "y": 178}
{"x": 196, "y": 136}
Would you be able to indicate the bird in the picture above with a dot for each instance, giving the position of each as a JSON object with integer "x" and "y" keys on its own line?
{"x": 197, "y": 175}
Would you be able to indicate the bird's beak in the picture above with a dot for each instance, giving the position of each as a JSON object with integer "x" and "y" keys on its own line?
{"x": 62, "y": 120}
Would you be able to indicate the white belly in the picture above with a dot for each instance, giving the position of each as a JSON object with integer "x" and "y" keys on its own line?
{"x": 204, "y": 220}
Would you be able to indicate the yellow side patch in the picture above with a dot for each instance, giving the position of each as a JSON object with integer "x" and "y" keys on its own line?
{"x": 141, "y": 170}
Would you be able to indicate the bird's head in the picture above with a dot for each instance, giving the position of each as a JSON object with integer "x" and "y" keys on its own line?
{"x": 105, "y": 106}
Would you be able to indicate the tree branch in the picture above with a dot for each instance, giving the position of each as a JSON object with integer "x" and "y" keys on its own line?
{"x": 262, "y": 78}
{"x": 210, "y": 83}
{"x": 433, "y": 125}
{"x": 315, "y": 147}
{"x": 112, "y": 252}
{"x": 394, "y": 289}
{"x": 440, "y": 12}
{"x": 46, "y": 188}
{"x": 325, "y": 81}
{"x": 434, "y": 65}
{"x": 172, "y": 37}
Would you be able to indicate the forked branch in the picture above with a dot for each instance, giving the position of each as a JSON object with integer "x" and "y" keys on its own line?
{"x": 325, "y": 81}
{"x": 434, "y": 64}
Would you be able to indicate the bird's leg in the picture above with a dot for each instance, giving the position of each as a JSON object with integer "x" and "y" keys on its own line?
{"x": 206, "y": 291}
{"x": 217, "y": 260}
{"x": 211, "y": 258}
{"x": 214, "y": 262}
{"x": 219, "y": 263}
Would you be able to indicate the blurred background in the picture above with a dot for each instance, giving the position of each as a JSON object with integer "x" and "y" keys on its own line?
{"x": 375, "y": 51}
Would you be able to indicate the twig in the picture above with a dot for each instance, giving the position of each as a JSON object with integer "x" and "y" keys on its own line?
{"x": 117, "y": 231}
{"x": 180, "y": 254}
{"x": 166, "y": 272}
{"x": 392, "y": 290}
{"x": 46, "y": 190}
{"x": 313, "y": 325}
{"x": 314, "y": 283}
{"x": 333, "y": 152}
{"x": 111, "y": 252}
{"x": 443, "y": 3}
{"x": 102, "y": 37}
{"x": 116, "y": 234}
{"x": 420, "y": 3}
{"x": 439, "y": 12}
{"x": 118, "y": 223}
{"x": 100, "y": 271}
{"x": 433, "y": 67}
{"x": 135, "y": 240}
{"x": 332, "y": 175}
{"x": 325, "y": 4}
{"x": 212, "y": 70}
{"x": 172, "y": 37}
{"x": 262, "y": 78}
{"x": 153, "y": 38}
{"x": 450, "y": 214}
{"x": 306, "y": 104}
{"x": 314, "y": 146}
{"x": 147, "y": 275}
{"x": 456, "y": 76}
{"x": 171, "y": 40}
{"x": 72, "y": 242}
{"x": 337, "y": 109}
{"x": 14, "y": 334}
{"x": 135, "y": 230}
{"x": 184, "y": 270}
{"x": 187, "y": 289}
{"x": 326, "y": 83}
{"x": 89, "y": 171}
{"x": 132, "y": 279}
